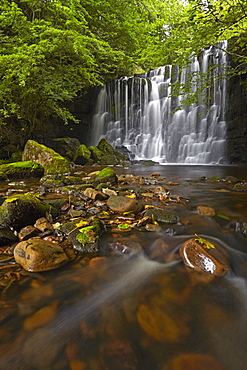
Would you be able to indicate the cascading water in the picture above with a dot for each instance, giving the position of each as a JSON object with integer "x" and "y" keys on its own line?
{"x": 144, "y": 114}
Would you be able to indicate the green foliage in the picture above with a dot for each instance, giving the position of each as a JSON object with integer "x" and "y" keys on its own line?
{"x": 50, "y": 50}
{"x": 204, "y": 243}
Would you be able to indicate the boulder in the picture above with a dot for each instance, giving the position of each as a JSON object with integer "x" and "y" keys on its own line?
{"x": 21, "y": 170}
{"x": 52, "y": 161}
{"x": 37, "y": 255}
{"x": 105, "y": 154}
{"x": 121, "y": 204}
{"x": 21, "y": 210}
{"x": 66, "y": 146}
{"x": 202, "y": 256}
{"x": 162, "y": 215}
{"x": 107, "y": 149}
{"x": 82, "y": 156}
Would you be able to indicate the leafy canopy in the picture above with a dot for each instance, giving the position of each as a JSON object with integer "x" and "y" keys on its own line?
{"x": 52, "y": 49}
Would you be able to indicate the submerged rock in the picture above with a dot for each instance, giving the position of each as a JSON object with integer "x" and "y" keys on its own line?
{"x": 52, "y": 161}
{"x": 203, "y": 256}
{"x": 206, "y": 211}
{"x": 24, "y": 209}
{"x": 39, "y": 255}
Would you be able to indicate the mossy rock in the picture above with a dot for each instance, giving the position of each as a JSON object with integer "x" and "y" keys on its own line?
{"x": 240, "y": 186}
{"x": 162, "y": 215}
{"x": 21, "y": 170}
{"x": 106, "y": 175}
{"x": 110, "y": 153}
{"x": 109, "y": 159}
{"x": 84, "y": 235}
{"x": 96, "y": 153}
{"x": 73, "y": 189}
{"x": 21, "y": 210}
{"x": 82, "y": 156}
{"x": 66, "y": 146}
{"x": 52, "y": 161}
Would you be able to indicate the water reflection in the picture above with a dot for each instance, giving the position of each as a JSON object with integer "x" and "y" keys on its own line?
{"x": 140, "y": 310}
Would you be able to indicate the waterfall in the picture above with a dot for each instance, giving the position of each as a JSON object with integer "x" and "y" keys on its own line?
{"x": 144, "y": 114}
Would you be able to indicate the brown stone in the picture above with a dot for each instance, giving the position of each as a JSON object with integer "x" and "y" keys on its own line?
{"x": 39, "y": 255}
{"x": 123, "y": 204}
{"x": 203, "y": 257}
{"x": 28, "y": 232}
{"x": 206, "y": 211}
{"x": 42, "y": 224}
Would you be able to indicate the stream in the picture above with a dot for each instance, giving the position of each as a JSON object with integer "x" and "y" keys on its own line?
{"x": 134, "y": 310}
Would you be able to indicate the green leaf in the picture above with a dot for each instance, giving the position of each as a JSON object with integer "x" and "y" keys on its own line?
{"x": 204, "y": 243}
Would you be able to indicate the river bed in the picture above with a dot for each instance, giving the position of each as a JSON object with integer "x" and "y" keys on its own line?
{"x": 131, "y": 311}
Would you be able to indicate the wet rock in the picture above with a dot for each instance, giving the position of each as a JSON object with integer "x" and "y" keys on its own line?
{"x": 106, "y": 175}
{"x": 28, "y": 232}
{"x": 162, "y": 215}
{"x": 94, "y": 194}
{"x": 206, "y": 211}
{"x": 153, "y": 227}
{"x": 84, "y": 235}
{"x": 121, "y": 204}
{"x": 203, "y": 256}
{"x": 7, "y": 236}
{"x": 125, "y": 246}
{"x": 42, "y": 224}
{"x": 21, "y": 170}
{"x": 118, "y": 355}
{"x": 24, "y": 209}
{"x": 39, "y": 255}
{"x": 193, "y": 361}
{"x": 52, "y": 161}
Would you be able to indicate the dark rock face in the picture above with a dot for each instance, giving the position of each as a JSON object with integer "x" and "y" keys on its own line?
{"x": 236, "y": 118}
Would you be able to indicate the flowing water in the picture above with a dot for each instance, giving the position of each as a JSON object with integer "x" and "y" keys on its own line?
{"x": 135, "y": 310}
{"x": 146, "y": 115}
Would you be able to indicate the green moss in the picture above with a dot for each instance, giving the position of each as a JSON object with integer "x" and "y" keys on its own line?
{"x": 52, "y": 161}
{"x": 25, "y": 169}
{"x": 106, "y": 172}
{"x": 24, "y": 209}
{"x": 96, "y": 153}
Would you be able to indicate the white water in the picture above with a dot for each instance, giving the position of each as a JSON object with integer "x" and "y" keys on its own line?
{"x": 142, "y": 114}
